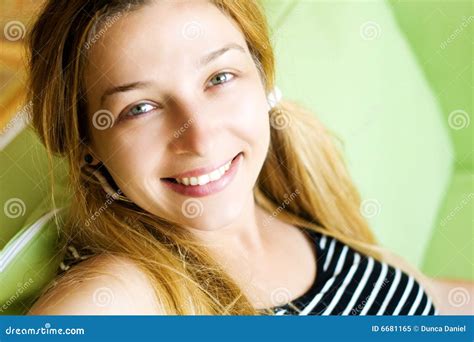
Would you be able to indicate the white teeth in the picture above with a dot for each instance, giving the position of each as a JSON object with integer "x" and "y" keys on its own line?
{"x": 204, "y": 179}
{"x": 214, "y": 175}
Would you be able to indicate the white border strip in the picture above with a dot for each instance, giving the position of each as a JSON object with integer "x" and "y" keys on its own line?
{"x": 16, "y": 245}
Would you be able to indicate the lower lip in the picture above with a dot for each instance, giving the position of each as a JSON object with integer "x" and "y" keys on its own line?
{"x": 209, "y": 188}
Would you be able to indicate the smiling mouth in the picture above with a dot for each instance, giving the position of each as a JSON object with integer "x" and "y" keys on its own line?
{"x": 222, "y": 168}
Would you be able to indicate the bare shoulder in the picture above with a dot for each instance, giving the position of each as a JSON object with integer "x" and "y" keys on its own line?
{"x": 100, "y": 285}
{"x": 450, "y": 296}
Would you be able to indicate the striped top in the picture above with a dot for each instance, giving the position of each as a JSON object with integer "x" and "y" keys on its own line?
{"x": 350, "y": 283}
{"x": 347, "y": 283}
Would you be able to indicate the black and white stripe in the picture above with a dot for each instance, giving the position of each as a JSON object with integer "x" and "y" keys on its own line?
{"x": 350, "y": 283}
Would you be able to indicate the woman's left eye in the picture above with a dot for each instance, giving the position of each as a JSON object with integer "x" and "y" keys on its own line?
{"x": 221, "y": 78}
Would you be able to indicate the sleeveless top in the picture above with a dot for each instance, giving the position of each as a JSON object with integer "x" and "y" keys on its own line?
{"x": 350, "y": 283}
{"x": 347, "y": 283}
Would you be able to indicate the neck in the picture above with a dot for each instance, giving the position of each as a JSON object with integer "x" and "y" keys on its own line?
{"x": 244, "y": 236}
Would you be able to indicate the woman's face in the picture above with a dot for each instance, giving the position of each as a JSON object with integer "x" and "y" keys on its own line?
{"x": 184, "y": 93}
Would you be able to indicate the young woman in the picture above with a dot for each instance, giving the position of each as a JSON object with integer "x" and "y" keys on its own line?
{"x": 196, "y": 191}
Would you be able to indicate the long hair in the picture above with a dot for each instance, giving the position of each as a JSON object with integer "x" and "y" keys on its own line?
{"x": 303, "y": 180}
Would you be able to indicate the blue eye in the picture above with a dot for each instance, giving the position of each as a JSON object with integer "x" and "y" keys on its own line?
{"x": 221, "y": 78}
{"x": 139, "y": 109}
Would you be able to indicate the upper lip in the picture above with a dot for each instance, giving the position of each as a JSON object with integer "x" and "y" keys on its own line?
{"x": 201, "y": 170}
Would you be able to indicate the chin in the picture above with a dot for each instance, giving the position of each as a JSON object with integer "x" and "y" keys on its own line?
{"x": 220, "y": 217}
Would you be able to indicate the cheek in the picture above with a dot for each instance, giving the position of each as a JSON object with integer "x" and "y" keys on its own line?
{"x": 251, "y": 121}
{"x": 133, "y": 156}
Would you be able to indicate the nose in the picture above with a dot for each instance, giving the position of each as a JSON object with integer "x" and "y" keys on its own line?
{"x": 195, "y": 130}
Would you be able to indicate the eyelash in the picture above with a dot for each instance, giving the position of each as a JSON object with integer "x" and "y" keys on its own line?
{"x": 126, "y": 115}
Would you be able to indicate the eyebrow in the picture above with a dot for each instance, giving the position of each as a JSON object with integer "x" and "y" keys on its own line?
{"x": 208, "y": 58}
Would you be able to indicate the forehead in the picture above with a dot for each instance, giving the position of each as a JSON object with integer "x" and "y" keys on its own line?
{"x": 157, "y": 38}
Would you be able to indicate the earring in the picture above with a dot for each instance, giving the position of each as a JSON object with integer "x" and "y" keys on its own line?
{"x": 103, "y": 182}
{"x": 88, "y": 158}
{"x": 274, "y": 97}
{"x": 106, "y": 186}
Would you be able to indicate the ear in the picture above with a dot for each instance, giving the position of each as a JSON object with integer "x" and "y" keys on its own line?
{"x": 274, "y": 97}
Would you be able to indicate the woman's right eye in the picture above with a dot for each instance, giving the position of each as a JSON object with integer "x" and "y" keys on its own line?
{"x": 139, "y": 110}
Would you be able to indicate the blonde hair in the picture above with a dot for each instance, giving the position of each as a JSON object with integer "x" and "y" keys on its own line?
{"x": 303, "y": 180}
